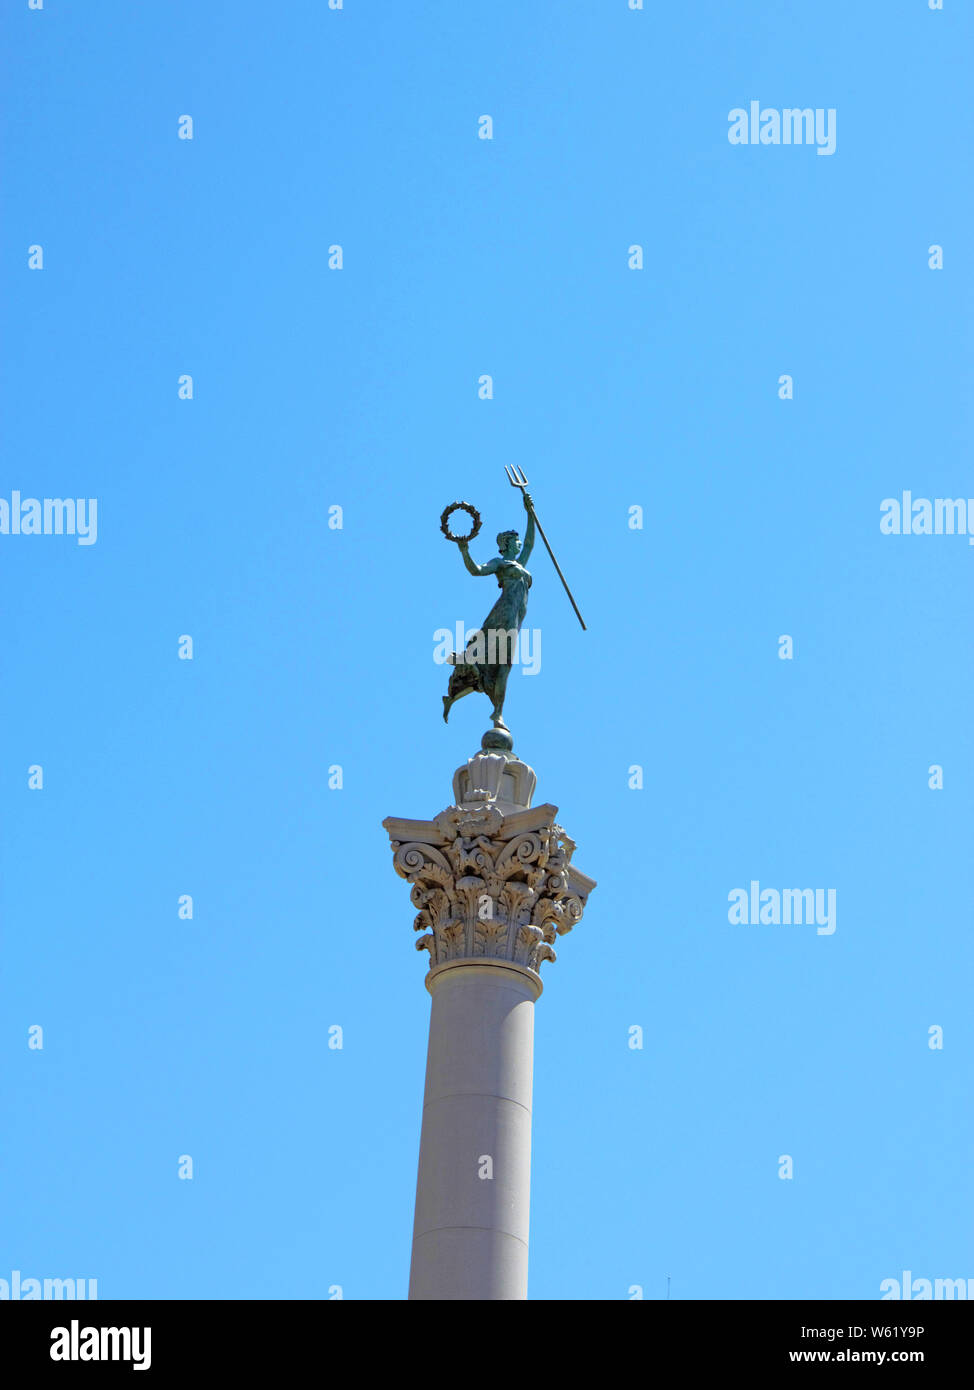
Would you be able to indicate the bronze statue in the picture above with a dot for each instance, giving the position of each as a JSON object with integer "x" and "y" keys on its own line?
{"x": 485, "y": 663}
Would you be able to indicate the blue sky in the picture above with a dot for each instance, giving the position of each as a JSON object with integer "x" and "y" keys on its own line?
{"x": 313, "y": 647}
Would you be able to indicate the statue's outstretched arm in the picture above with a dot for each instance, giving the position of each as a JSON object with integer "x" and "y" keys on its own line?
{"x": 472, "y": 565}
{"x": 528, "y": 545}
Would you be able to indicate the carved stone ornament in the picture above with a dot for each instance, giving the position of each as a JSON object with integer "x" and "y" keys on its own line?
{"x": 492, "y": 879}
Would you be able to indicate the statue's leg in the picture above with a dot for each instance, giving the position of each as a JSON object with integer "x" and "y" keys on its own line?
{"x": 498, "y": 692}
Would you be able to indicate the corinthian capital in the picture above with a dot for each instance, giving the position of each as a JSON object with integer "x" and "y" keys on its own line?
{"x": 492, "y": 880}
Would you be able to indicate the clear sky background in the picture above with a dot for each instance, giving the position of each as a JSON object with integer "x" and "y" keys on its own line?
{"x": 313, "y": 647}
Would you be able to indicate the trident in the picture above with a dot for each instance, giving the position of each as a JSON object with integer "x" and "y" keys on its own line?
{"x": 516, "y": 478}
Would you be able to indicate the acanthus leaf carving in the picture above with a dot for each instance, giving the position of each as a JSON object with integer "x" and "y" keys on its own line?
{"x": 490, "y": 886}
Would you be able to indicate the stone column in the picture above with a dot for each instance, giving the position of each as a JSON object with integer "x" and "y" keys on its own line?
{"x": 494, "y": 884}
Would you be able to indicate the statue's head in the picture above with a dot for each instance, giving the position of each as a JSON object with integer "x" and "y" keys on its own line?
{"x": 507, "y": 544}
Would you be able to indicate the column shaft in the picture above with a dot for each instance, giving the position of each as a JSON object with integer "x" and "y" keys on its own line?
{"x": 470, "y": 1237}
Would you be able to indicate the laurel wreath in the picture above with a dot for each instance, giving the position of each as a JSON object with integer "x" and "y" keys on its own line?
{"x": 459, "y": 507}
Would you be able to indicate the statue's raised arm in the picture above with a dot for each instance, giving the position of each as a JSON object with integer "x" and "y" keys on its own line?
{"x": 528, "y": 545}
{"x": 471, "y": 564}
